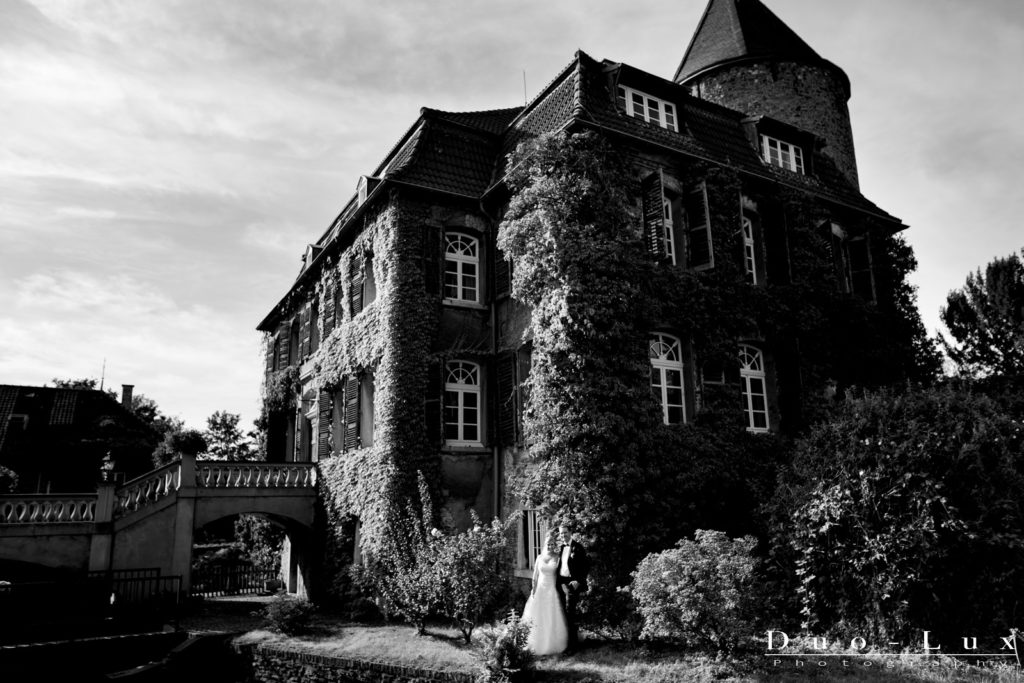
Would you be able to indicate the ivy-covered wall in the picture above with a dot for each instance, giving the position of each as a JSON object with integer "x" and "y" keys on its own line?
{"x": 401, "y": 339}
{"x": 597, "y": 452}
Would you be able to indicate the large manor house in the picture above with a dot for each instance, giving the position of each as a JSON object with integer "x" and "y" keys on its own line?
{"x": 402, "y": 321}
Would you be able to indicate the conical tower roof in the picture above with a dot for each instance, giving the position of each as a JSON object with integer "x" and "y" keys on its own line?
{"x": 741, "y": 30}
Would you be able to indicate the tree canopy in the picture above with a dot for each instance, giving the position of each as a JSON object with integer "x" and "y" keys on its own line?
{"x": 986, "y": 319}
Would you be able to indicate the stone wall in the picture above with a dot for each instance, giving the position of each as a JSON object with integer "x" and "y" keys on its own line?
{"x": 806, "y": 96}
{"x": 281, "y": 665}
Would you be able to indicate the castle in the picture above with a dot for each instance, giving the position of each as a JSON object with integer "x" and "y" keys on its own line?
{"x": 400, "y": 348}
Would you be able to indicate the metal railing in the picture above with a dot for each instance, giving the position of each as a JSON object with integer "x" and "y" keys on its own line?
{"x": 213, "y": 581}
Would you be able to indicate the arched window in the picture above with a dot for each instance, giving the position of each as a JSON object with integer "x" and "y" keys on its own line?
{"x": 462, "y": 404}
{"x": 666, "y": 354}
{"x": 749, "y": 256}
{"x": 461, "y": 268}
{"x": 755, "y": 398}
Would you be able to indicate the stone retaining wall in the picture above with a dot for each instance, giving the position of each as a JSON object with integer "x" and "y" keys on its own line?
{"x": 271, "y": 664}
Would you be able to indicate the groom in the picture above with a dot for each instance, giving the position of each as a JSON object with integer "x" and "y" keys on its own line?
{"x": 572, "y": 579}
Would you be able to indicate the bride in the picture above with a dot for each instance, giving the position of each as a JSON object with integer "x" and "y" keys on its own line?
{"x": 549, "y": 631}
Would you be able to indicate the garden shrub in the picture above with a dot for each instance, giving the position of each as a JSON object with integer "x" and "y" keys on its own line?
{"x": 472, "y": 572}
{"x": 503, "y": 651}
{"x": 402, "y": 569}
{"x": 906, "y": 512}
{"x": 698, "y": 592}
{"x": 288, "y": 615}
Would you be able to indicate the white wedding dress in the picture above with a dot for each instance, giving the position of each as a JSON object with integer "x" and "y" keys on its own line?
{"x": 549, "y": 631}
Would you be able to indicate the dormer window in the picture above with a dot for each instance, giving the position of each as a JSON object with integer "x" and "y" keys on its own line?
{"x": 650, "y": 109}
{"x": 782, "y": 154}
{"x": 364, "y": 187}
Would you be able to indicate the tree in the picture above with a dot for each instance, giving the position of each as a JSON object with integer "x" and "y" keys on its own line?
{"x": 8, "y": 480}
{"x": 177, "y": 443}
{"x": 225, "y": 440}
{"x": 906, "y": 511}
{"x": 986, "y": 318}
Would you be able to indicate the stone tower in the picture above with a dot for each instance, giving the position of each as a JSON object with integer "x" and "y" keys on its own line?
{"x": 744, "y": 57}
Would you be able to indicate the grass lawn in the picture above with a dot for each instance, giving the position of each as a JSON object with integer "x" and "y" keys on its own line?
{"x": 442, "y": 649}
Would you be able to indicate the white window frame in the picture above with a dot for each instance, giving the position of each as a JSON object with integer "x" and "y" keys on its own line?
{"x": 749, "y": 251}
{"x": 666, "y": 355}
{"x": 462, "y": 252}
{"x": 531, "y": 543}
{"x": 650, "y": 109}
{"x": 782, "y": 154}
{"x": 463, "y": 379}
{"x": 668, "y": 233}
{"x": 752, "y": 373}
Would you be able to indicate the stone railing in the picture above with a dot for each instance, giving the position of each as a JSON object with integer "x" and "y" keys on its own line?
{"x": 224, "y": 474}
{"x": 148, "y": 489}
{"x": 47, "y": 509}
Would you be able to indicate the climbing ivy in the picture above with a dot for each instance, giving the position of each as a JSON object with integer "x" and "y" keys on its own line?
{"x": 598, "y": 452}
{"x": 391, "y": 338}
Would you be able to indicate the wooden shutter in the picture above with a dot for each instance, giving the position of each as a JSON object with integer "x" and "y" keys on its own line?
{"x": 652, "y": 192}
{"x": 329, "y": 311}
{"x": 776, "y": 246}
{"x": 355, "y": 284}
{"x": 304, "y": 333}
{"x": 273, "y": 351}
{"x": 284, "y": 335}
{"x": 505, "y": 378}
{"x": 323, "y": 425}
{"x": 701, "y": 253}
{"x": 859, "y": 250}
{"x": 502, "y": 275}
{"x": 432, "y": 413}
{"x": 523, "y": 361}
{"x": 351, "y": 390}
{"x": 432, "y": 259}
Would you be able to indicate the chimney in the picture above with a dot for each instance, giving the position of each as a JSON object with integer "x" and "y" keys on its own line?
{"x": 126, "y": 396}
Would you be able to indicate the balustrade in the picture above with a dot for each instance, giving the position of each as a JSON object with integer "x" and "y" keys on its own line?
{"x": 148, "y": 489}
{"x": 48, "y": 509}
{"x": 222, "y": 474}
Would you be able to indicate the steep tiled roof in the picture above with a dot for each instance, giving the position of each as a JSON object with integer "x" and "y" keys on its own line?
{"x": 732, "y": 30}
{"x": 707, "y": 131}
{"x": 448, "y": 158}
{"x": 492, "y": 121}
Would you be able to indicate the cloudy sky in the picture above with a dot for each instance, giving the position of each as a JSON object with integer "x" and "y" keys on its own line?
{"x": 164, "y": 163}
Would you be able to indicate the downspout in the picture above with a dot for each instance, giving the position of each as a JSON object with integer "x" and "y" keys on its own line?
{"x": 495, "y": 452}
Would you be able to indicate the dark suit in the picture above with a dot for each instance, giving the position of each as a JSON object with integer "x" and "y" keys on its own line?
{"x": 578, "y": 566}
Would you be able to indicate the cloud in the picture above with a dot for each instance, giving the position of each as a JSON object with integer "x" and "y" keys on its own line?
{"x": 188, "y": 358}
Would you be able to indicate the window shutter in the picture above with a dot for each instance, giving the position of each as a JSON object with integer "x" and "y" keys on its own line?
{"x": 283, "y": 334}
{"x": 505, "y": 377}
{"x": 273, "y": 351}
{"x": 652, "y": 193}
{"x": 432, "y": 404}
{"x": 523, "y": 360}
{"x": 355, "y": 279}
{"x": 776, "y": 258}
{"x": 432, "y": 259}
{"x": 304, "y": 333}
{"x": 328, "y": 307}
{"x": 502, "y": 275}
{"x": 351, "y": 413}
{"x": 861, "y": 278}
{"x": 698, "y": 229}
{"x": 323, "y": 425}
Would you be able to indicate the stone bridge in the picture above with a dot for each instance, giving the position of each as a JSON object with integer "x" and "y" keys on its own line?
{"x": 149, "y": 521}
